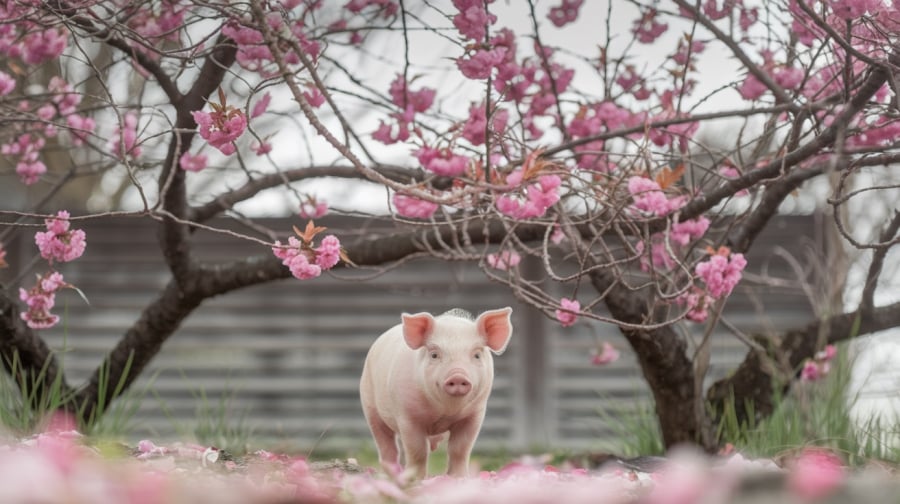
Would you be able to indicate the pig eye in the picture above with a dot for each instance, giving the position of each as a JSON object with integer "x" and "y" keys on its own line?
{"x": 478, "y": 355}
{"x": 434, "y": 355}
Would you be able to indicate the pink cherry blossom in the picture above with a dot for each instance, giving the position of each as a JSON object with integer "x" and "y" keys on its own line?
{"x": 402, "y": 97}
{"x": 849, "y": 9}
{"x": 52, "y": 282}
{"x": 328, "y": 253}
{"x": 124, "y": 138}
{"x": 313, "y": 208}
{"x": 30, "y": 172}
{"x": 538, "y": 198}
{"x": 565, "y": 13}
{"x": 811, "y": 371}
{"x": 46, "y": 112}
{"x": 385, "y": 132}
{"x": 442, "y": 161}
{"x": 788, "y": 77}
{"x": 659, "y": 257}
{"x": 503, "y": 260}
{"x": 474, "y": 128}
{"x": 40, "y": 299}
{"x": 388, "y": 8}
{"x": 606, "y": 354}
{"x": 721, "y": 272}
{"x": 59, "y": 243}
{"x": 628, "y": 77}
{"x": 303, "y": 259}
{"x": 478, "y": 65}
{"x": 221, "y": 127}
{"x": 557, "y": 236}
{"x": 878, "y": 131}
{"x": 567, "y": 314}
{"x": 80, "y": 127}
{"x": 752, "y": 88}
{"x": 7, "y": 83}
{"x": 647, "y": 29}
{"x": 473, "y": 19}
{"x": 314, "y": 96}
{"x": 688, "y": 50}
{"x": 44, "y": 45}
{"x": 713, "y": 11}
{"x": 414, "y": 208}
{"x": 261, "y": 105}
{"x": 261, "y": 148}
{"x": 816, "y": 474}
{"x": 27, "y": 148}
{"x": 748, "y": 17}
{"x": 64, "y": 95}
{"x": 826, "y": 354}
{"x": 301, "y": 268}
{"x": 296, "y": 257}
{"x": 683, "y": 232}
{"x": 698, "y": 303}
{"x": 192, "y": 162}
{"x": 650, "y": 199}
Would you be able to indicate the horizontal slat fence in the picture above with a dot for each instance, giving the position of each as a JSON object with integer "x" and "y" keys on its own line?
{"x": 285, "y": 357}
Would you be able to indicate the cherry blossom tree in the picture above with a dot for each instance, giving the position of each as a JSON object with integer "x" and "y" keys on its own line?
{"x": 569, "y": 134}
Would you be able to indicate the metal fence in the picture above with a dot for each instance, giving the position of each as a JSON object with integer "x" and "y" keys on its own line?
{"x": 284, "y": 358}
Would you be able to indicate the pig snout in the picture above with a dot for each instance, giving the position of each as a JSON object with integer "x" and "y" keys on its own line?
{"x": 457, "y": 384}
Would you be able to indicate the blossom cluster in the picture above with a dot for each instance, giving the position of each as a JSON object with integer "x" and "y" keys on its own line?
{"x": 568, "y": 310}
{"x": 221, "y": 127}
{"x": 530, "y": 200}
{"x": 40, "y": 299}
{"x": 604, "y": 355}
{"x": 303, "y": 259}
{"x": 254, "y": 54}
{"x": 649, "y": 198}
{"x": 60, "y": 243}
{"x": 503, "y": 260}
{"x": 412, "y": 207}
{"x": 59, "y": 110}
{"x": 30, "y": 41}
{"x": 409, "y": 104}
{"x": 820, "y": 365}
{"x": 721, "y": 273}
{"x": 313, "y": 208}
{"x": 668, "y": 246}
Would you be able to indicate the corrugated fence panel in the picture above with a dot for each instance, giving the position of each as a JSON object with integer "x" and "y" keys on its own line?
{"x": 285, "y": 357}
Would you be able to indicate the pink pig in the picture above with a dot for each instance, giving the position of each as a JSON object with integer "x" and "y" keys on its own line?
{"x": 429, "y": 376}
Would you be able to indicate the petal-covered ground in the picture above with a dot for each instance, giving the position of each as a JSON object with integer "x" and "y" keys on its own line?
{"x": 62, "y": 468}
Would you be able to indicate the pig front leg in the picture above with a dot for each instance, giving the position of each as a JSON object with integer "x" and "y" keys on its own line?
{"x": 385, "y": 442}
{"x": 415, "y": 450}
{"x": 459, "y": 447}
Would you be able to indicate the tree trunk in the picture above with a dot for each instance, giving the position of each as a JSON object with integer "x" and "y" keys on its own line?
{"x": 663, "y": 356}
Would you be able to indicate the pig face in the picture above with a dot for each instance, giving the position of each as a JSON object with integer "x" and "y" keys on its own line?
{"x": 453, "y": 354}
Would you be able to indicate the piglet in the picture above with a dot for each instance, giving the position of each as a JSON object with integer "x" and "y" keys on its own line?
{"x": 430, "y": 376}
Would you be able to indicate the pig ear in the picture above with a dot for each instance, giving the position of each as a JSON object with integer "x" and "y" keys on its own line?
{"x": 417, "y": 328}
{"x": 496, "y": 328}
